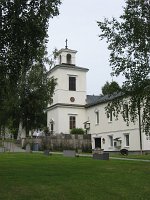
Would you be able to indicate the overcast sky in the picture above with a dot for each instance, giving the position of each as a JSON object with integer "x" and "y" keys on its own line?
{"x": 77, "y": 23}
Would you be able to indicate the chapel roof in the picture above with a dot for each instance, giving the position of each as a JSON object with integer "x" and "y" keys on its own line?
{"x": 93, "y": 100}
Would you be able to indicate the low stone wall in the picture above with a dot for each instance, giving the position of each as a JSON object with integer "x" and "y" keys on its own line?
{"x": 61, "y": 142}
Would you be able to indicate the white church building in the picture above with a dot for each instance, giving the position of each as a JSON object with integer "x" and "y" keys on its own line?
{"x": 73, "y": 108}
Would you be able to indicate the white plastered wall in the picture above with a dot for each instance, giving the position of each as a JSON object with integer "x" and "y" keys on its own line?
{"x": 116, "y": 128}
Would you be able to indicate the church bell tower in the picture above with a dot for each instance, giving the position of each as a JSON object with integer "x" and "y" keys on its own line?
{"x": 66, "y": 56}
{"x": 68, "y": 108}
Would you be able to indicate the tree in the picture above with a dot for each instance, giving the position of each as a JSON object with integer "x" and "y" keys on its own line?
{"x": 129, "y": 44}
{"x": 110, "y": 88}
{"x": 23, "y": 38}
{"x": 37, "y": 93}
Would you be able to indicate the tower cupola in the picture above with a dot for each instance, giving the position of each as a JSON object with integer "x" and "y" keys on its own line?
{"x": 66, "y": 56}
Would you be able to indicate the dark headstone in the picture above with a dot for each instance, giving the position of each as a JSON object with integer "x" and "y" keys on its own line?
{"x": 35, "y": 147}
{"x": 47, "y": 152}
{"x": 104, "y": 156}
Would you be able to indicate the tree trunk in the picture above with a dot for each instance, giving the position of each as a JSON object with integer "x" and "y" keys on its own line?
{"x": 140, "y": 132}
{"x": 21, "y": 131}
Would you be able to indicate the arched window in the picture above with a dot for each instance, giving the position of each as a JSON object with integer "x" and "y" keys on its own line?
{"x": 60, "y": 59}
{"x": 68, "y": 58}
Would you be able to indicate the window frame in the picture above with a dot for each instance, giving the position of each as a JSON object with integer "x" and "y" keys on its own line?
{"x": 68, "y": 59}
{"x": 127, "y": 139}
{"x": 110, "y": 116}
{"x": 72, "y": 122}
{"x": 72, "y": 83}
{"x": 126, "y": 110}
{"x": 111, "y": 141}
{"x": 97, "y": 117}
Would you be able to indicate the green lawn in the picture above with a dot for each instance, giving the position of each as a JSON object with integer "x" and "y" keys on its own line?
{"x": 36, "y": 176}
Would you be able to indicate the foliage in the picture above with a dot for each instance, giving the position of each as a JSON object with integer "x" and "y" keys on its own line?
{"x": 46, "y": 130}
{"x": 129, "y": 45}
{"x": 23, "y": 38}
{"x": 37, "y": 92}
{"x": 77, "y": 131}
{"x": 110, "y": 88}
{"x": 53, "y": 57}
{"x": 13, "y": 127}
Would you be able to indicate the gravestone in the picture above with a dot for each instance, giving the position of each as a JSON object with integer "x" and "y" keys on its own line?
{"x": 47, "y": 152}
{"x": 103, "y": 156}
{"x": 69, "y": 153}
{"x": 35, "y": 147}
{"x": 28, "y": 148}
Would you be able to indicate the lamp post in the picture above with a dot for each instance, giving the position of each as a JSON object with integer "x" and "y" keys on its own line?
{"x": 87, "y": 126}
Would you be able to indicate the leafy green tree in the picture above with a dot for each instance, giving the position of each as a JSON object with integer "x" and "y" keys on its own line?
{"x": 110, "y": 88}
{"x": 129, "y": 44}
{"x": 38, "y": 92}
{"x": 23, "y": 38}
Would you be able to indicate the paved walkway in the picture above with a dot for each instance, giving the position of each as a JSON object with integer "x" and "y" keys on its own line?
{"x": 132, "y": 159}
{"x": 11, "y": 147}
{"x": 113, "y": 158}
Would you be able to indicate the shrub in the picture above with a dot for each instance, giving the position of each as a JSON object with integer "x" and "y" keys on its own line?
{"x": 46, "y": 131}
{"x": 78, "y": 131}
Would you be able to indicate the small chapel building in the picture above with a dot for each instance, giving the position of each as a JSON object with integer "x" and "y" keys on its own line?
{"x": 73, "y": 108}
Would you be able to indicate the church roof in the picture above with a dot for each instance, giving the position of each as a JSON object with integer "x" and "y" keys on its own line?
{"x": 67, "y": 50}
{"x": 93, "y": 100}
{"x": 68, "y": 66}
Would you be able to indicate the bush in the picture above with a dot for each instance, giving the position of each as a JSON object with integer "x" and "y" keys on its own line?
{"x": 77, "y": 131}
{"x": 46, "y": 131}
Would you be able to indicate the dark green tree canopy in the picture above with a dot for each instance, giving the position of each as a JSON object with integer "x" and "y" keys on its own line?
{"x": 23, "y": 31}
{"x": 23, "y": 38}
{"x": 129, "y": 41}
{"x": 110, "y": 88}
{"x": 129, "y": 44}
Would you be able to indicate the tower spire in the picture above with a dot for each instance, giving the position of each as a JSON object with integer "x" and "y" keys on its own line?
{"x": 66, "y": 44}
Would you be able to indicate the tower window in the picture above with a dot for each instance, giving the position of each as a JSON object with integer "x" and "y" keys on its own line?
{"x": 68, "y": 58}
{"x": 60, "y": 59}
{"x": 72, "y": 83}
{"x": 72, "y": 122}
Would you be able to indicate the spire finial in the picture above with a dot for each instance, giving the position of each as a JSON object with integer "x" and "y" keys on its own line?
{"x": 66, "y": 44}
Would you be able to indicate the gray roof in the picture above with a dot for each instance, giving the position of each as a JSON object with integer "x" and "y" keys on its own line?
{"x": 67, "y": 66}
{"x": 93, "y": 100}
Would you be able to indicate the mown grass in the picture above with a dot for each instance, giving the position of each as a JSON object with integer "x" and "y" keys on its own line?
{"x": 36, "y": 176}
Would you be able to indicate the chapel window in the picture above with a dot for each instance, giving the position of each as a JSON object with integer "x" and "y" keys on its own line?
{"x": 72, "y": 122}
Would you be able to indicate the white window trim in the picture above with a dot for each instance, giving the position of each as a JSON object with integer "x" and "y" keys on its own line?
{"x": 125, "y": 134}
{"x": 97, "y": 117}
{"x": 126, "y": 104}
{"x": 110, "y": 121}
{"x": 111, "y": 146}
{"x": 72, "y": 75}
